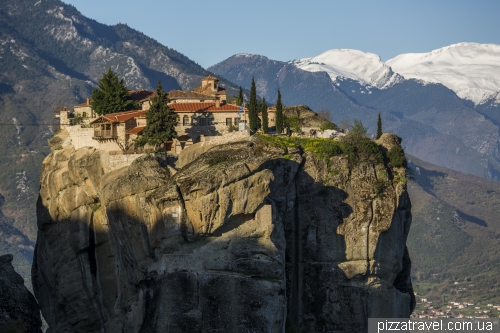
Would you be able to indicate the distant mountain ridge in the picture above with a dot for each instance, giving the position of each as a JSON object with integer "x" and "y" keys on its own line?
{"x": 471, "y": 70}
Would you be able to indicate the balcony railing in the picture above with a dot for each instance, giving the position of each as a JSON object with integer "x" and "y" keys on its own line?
{"x": 105, "y": 133}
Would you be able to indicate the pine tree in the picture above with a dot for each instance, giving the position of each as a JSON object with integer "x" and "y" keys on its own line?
{"x": 239, "y": 100}
{"x": 265, "y": 119}
{"x": 253, "y": 116}
{"x": 161, "y": 121}
{"x": 279, "y": 114}
{"x": 112, "y": 95}
{"x": 379, "y": 126}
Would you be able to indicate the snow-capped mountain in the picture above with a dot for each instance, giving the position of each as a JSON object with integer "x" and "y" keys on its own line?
{"x": 367, "y": 68}
{"x": 471, "y": 70}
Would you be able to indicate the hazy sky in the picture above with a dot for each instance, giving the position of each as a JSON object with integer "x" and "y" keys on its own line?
{"x": 211, "y": 31}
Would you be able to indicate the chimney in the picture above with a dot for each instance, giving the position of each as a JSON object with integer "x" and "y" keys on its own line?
{"x": 88, "y": 101}
{"x": 217, "y": 103}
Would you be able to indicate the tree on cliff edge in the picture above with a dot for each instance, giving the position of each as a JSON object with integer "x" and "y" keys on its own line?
{"x": 265, "y": 118}
{"x": 379, "y": 126}
{"x": 253, "y": 116}
{"x": 279, "y": 114}
{"x": 161, "y": 121}
{"x": 111, "y": 95}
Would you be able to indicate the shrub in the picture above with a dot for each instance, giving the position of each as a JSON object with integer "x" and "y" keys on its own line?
{"x": 396, "y": 157}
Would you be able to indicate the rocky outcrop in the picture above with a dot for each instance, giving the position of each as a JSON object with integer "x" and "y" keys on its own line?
{"x": 248, "y": 237}
{"x": 19, "y": 310}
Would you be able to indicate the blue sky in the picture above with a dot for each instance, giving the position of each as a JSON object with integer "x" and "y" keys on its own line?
{"x": 211, "y": 31}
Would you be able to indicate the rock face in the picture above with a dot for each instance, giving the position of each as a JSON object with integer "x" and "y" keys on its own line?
{"x": 19, "y": 310}
{"x": 248, "y": 237}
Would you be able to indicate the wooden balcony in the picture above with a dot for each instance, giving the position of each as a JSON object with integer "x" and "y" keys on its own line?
{"x": 105, "y": 134}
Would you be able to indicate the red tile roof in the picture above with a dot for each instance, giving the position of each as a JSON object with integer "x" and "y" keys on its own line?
{"x": 119, "y": 117}
{"x": 203, "y": 107}
{"x": 135, "y": 130}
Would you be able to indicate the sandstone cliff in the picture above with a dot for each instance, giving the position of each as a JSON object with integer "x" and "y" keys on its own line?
{"x": 249, "y": 237}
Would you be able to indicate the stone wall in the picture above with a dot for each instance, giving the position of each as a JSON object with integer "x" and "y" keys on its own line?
{"x": 82, "y": 137}
{"x": 229, "y": 137}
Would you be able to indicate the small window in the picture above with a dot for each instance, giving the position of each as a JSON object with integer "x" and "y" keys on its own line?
{"x": 84, "y": 114}
{"x": 210, "y": 120}
{"x": 236, "y": 121}
{"x": 229, "y": 121}
{"x": 185, "y": 121}
{"x": 203, "y": 121}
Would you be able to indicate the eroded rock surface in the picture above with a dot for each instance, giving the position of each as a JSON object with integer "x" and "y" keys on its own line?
{"x": 245, "y": 238}
{"x": 19, "y": 310}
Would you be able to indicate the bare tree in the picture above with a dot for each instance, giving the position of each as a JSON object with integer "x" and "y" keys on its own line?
{"x": 325, "y": 114}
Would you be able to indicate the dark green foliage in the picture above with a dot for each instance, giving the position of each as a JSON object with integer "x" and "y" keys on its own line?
{"x": 161, "y": 121}
{"x": 239, "y": 100}
{"x": 112, "y": 95}
{"x": 265, "y": 118}
{"x": 379, "y": 126}
{"x": 293, "y": 123}
{"x": 279, "y": 114}
{"x": 396, "y": 157}
{"x": 252, "y": 108}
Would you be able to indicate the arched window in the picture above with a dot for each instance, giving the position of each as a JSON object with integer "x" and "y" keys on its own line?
{"x": 210, "y": 119}
{"x": 203, "y": 120}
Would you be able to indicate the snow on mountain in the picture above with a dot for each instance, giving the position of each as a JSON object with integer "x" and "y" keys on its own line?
{"x": 353, "y": 64}
{"x": 471, "y": 70}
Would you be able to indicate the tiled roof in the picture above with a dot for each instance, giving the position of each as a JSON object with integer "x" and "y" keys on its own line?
{"x": 210, "y": 77}
{"x": 203, "y": 107}
{"x": 81, "y": 105}
{"x": 138, "y": 95}
{"x": 135, "y": 130}
{"x": 119, "y": 117}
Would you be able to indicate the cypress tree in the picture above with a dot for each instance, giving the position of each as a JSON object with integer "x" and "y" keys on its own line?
{"x": 265, "y": 119}
{"x": 379, "y": 126}
{"x": 253, "y": 116}
{"x": 279, "y": 114}
{"x": 161, "y": 121}
{"x": 239, "y": 100}
{"x": 111, "y": 95}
